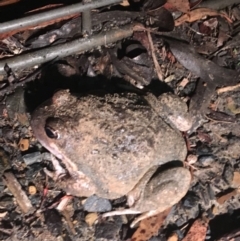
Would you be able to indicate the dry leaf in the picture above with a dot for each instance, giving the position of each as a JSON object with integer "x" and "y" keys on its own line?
{"x": 8, "y": 2}
{"x": 173, "y": 237}
{"x": 180, "y": 5}
{"x": 197, "y": 232}
{"x": 149, "y": 227}
{"x": 23, "y": 119}
{"x": 125, "y": 3}
{"x": 199, "y": 13}
{"x": 170, "y": 78}
{"x": 231, "y": 105}
{"x": 2, "y": 215}
{"x": 204, "y": 137}
{"x": 222, "y": 38}
{"x": 23, "y": 144}
{"x": 91, "y": 218}
{"x": 236, "y": 179}
{"x": 211, "y": 23}
{"x": 222, "y": 199}
{"x": 184, "y": 82}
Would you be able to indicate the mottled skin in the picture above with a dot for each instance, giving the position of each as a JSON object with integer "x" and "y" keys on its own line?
{"x": 111, "y": 145}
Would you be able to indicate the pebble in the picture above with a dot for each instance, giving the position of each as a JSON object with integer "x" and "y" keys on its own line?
{"x": 32, "y": 190}
{"x": 206, "y": 160}
{"x": 97, "y": 204}
{"x": 91, "y": 218}
{"x": 191, "y": 159}
{"x": 32, "y": 158}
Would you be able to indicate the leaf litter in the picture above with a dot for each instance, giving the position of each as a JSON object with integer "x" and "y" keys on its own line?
{"x": 212, "y": 76}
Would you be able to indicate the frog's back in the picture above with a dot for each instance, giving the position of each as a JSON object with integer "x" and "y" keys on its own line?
{"x": 118, "y": 138}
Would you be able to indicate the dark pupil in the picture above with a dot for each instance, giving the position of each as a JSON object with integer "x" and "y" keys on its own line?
{"x": 51, "y": 133}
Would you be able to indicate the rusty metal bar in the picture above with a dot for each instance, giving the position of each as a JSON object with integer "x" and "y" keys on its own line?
{"x": 87, "y": 20}
{"x": 39, "y": 18}
{"x": 76, "y": 46}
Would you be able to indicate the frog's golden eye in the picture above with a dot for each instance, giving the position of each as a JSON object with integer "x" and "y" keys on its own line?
{"x": 53, "y": 127}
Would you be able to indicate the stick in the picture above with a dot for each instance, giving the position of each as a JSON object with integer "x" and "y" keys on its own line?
{"x": 16, "y": 189}
{"x": 228, "y": 88}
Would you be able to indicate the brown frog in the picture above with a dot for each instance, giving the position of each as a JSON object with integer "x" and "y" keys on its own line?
{"x": 112, "y": 145}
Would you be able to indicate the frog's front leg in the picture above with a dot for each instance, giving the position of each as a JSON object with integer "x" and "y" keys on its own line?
{"x": 75, "y": 183}
{"x": 59, "y": 170}
{"x": 172, "y": 109}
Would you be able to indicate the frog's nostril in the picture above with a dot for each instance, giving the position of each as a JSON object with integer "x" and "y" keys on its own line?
{"x": 51, "y": 133}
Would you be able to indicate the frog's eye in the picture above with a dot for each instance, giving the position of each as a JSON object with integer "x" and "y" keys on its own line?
{"x": 51, "y": 133}
{"x": 53, "y": 127}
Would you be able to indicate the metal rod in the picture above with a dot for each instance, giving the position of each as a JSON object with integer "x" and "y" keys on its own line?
{"x": 63, "y": 50}
{"x": 39, "y": 18}
{"x": 86, "y": 20}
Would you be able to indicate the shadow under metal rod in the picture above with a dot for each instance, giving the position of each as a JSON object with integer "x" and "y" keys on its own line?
{"x": 39, "y": 18}
{"x": 63, "y": 50}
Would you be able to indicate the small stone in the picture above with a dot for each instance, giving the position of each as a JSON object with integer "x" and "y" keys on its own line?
{"x": 206, "y": 160}
{"x": 32, "y": 158}
{"x": 91, "y": 218}
{"x": 32, "y": 190}
{"x": 97, "y": 204}
{"x": 23, "y": 144}
{"x": 191, "y": 159}
{"x": 203, "y": 150}
{"x": 173, "y": 237}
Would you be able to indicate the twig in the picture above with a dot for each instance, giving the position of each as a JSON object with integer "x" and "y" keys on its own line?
{"x": 67, "y": 217}
{"x": 6, "y": 231}
{"x": 156, "y": 64}
{"x": 16, "y": 189}
{"x": 228, "y": 88}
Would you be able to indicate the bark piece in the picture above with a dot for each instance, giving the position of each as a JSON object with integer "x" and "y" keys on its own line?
{"x": 16, "y": 189}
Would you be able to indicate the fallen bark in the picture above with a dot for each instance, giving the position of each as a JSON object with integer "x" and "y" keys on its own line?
{"x": 16, "y": 189}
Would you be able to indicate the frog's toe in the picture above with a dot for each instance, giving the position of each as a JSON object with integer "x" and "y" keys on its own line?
{"x": 59, "y": 170}
{"x": 54, "y": 175}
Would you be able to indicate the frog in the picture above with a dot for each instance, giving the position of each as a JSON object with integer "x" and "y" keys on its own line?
{"x": 114, "y": 144}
